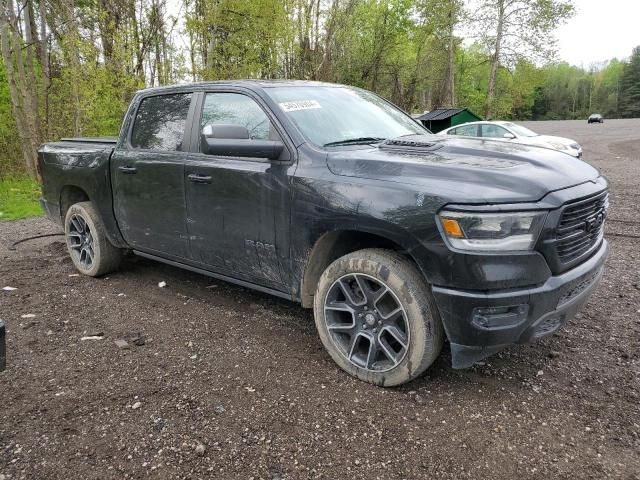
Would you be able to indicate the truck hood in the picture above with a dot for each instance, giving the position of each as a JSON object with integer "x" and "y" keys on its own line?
{"x": 464, "y": 170}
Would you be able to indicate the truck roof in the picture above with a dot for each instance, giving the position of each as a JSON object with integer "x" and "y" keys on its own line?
{"x": 245, "y": 83}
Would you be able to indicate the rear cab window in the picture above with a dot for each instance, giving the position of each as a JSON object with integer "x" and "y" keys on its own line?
{"x": 160, "y": 122}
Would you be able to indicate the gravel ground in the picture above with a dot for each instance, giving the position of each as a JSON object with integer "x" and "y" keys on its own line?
{"x": 222, "y": 382}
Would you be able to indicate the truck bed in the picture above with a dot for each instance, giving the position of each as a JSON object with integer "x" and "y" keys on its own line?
{"x": 109, "y": 140}
{"x": 78, "y": 152}
{"x": 77, "y": 169}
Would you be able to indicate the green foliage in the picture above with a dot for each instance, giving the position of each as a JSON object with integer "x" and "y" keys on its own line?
{"x": 237, "y": 38}
{"x": 10, "y": 156}
{"x": 103, "y": 98}
{"x": 630, "y": 83}
{"x": 19, "y": 198}
{"x": 569, "y": 92}
{"x": 99, "y": 53}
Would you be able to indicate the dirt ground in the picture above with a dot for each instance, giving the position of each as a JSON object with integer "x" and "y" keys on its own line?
{"x": 231, "y": 383}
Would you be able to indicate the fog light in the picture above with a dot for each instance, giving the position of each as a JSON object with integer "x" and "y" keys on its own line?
{"x": 495, "y": 318}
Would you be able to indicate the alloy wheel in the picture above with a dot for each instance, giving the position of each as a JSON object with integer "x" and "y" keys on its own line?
{"x": 367, "y": 322}
{"x": 81, "y": 241}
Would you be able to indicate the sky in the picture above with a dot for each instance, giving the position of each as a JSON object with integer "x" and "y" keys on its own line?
{"x": 600, "y": 30}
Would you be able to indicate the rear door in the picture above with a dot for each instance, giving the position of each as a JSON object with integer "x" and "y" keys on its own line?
{"x": 148, "y": 177}
{"x": 238, "y": 208}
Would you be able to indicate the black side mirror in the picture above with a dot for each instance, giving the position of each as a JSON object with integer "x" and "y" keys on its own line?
{"x": 233, "y": 141}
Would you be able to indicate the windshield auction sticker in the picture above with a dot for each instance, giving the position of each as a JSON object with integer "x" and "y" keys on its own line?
{"x": 299, "y": 105}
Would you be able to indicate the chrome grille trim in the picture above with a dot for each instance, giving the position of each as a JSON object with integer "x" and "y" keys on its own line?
{"x": 581, "y": 227}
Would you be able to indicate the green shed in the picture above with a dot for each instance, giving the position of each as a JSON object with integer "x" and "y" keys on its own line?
{"x": 441, "y": 118}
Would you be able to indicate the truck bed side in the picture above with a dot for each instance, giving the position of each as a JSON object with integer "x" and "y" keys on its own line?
{"x": 76, "y": 170}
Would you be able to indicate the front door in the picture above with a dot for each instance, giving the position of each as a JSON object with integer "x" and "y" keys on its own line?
{"x": 148, "y": 177}
{"x": 238, "y": 208}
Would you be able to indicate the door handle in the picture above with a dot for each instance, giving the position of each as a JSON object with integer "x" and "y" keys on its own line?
{"x": 195, "y": 178}
{"x": 129, "y": 170}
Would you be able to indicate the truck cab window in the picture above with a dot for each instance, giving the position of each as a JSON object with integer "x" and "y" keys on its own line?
{"x": 236, "y": 109}
{"x": 160, "y": 122}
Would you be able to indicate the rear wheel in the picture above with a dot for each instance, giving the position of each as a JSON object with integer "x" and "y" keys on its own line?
{"x": 88, "y": 246}
{"x": 376, "y": 317}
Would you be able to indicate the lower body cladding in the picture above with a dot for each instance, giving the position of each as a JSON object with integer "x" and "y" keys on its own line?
{"x": 479, "y": 324}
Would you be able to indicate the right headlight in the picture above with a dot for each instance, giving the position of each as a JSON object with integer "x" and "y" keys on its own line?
{"x": 491, "y": 232}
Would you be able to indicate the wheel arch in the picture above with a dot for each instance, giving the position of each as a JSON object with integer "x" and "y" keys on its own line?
{"x": 70, "y": 195}
{"x": 334, "y": 244}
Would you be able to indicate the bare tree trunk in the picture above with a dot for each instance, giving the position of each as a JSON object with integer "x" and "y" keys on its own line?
{"x": 17, "y": 105}
{"x": 22, "y": 101}
{"x": 22, "y": 83}
{"x": 43, "y": 55}
{"x": 73, "y": 56}
{"x": 192, "y": 55}
{"x": 410, "y": 92}
{"x": 139, "y": 41}
{"x": 29, "y": 28}
{"x": 373, "y": 70}
{"x": 450, "y": 97}
{"x": 495, "y": 61}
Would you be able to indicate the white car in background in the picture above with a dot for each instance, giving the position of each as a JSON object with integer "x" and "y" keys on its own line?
{"x": 511, "y": 132}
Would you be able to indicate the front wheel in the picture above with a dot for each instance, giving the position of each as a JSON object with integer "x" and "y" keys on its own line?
{"x": 376, "y": 317}
{"x": 88, "y": 246}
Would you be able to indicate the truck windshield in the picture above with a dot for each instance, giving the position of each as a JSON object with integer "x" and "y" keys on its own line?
{"x": 340, "y": 115}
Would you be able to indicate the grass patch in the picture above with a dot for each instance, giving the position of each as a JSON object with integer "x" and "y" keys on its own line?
{"x": 19, "y": 198}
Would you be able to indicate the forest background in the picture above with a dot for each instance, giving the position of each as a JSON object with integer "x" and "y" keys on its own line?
{"x": 70, "y": 67}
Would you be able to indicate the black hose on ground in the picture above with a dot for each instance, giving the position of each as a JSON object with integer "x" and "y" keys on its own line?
{"x": 12, "y": 247}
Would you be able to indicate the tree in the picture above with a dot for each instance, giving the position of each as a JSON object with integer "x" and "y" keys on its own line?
{"x": 21, "y": 79}
{"x": 630, "y": 87}
{"x": 514, "y": 30}
{"x": 70, "y": 67}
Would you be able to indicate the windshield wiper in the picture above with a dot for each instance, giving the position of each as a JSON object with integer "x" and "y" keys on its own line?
{"x": 354, "y": 141}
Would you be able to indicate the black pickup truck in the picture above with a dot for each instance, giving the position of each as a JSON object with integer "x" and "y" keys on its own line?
{"x": 330, "y": 196}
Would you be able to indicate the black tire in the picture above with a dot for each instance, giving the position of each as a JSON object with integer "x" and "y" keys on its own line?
{"x": 90, "y": 250}
{"x": 418, "y": 325}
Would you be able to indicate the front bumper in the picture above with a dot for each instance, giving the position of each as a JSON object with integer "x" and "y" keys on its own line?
{"x": 479, "y": 324}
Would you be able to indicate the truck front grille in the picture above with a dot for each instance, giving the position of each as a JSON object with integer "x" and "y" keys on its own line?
{"x": 581, "y": 227}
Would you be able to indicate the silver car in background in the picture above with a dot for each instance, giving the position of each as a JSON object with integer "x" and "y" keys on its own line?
{"x": 514, "y": 133}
